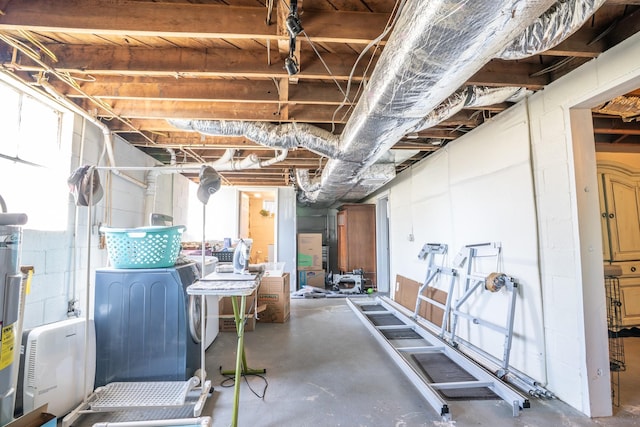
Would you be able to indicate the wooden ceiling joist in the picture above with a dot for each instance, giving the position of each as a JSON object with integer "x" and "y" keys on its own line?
{"x": 182, "y": 20}
{"x": 135, "y": 64}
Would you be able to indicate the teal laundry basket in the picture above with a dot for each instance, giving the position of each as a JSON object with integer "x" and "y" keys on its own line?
{"x": 143, "y": 247}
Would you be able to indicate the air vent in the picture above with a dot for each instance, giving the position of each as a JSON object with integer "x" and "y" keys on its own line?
{"x": 31, "y": 370}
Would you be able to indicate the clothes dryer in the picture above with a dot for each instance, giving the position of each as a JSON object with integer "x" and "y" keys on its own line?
{"x": 147, "y": 327}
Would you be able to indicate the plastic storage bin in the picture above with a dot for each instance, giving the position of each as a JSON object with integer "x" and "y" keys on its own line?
{"x": 224, "y": 256}
{"x": 143, "y": 247}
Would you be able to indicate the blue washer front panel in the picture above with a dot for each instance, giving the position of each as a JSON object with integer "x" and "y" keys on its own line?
{"x": 142, "y": 330}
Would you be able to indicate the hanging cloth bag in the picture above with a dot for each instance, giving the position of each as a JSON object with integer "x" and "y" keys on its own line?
{"x": 81, "y": 186}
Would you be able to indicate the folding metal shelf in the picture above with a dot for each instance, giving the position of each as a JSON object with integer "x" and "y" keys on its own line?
{"x": 388, "y": 325}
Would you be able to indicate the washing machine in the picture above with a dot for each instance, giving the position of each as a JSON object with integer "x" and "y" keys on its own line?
{"x": 211, "y": 302}
{"x": 147, "y": 327}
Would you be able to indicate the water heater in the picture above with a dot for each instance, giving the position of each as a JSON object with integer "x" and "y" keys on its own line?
{"x": 10, "y": 282}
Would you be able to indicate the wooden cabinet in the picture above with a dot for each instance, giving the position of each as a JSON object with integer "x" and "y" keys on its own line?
{"x": 620, "y": 220}
{"x": 620, "y": 212}
{"x": 630, "y": 293}
{"x": 357, "y": 239}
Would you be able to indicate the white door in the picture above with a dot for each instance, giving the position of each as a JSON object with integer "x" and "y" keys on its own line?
{"x": 382, "y": 243}
{"x": 243, "y": 233}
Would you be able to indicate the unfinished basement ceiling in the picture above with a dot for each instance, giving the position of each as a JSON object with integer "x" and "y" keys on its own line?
{"x": 141, "y": 67}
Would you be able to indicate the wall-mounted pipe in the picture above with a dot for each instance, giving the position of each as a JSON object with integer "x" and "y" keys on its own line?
{"x": 224, "y": 163}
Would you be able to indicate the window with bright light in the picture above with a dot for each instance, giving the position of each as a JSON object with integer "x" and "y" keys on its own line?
{"x": 34, "y": 160}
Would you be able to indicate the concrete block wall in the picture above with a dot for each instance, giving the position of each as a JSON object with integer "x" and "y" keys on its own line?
{"x": 61, "y": 258}
{"x": 569, "y": 225}
{"x": 561, "y": 267}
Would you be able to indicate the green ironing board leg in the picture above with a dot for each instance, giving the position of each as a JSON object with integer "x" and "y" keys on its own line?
{"x": 241, "y": 359}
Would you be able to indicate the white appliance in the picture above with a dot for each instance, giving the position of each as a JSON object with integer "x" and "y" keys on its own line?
{"x": 54, "y": 366}
{"x": 212, "y": 301}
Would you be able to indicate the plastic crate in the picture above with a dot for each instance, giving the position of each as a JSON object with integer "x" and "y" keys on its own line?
{"x": 224, "y": 256}
{"x": 143, "y": 247}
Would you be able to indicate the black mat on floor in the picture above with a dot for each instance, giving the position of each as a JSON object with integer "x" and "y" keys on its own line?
{"x": 400, "y": 334}
{"x": 384, "y": 319}
{"x": 372, "y": 307}
{"x": 440, "y": 369}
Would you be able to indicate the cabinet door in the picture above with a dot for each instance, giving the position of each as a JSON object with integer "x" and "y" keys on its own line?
{"x": 604, "y": 220}
{"x": 630, "y": 299}
{"x": 343, "y": 258}
{"x": 623, "y": 203}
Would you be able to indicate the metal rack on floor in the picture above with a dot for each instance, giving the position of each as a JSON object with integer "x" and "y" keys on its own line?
{"x": 127, "y": 396}
{"x": 393, "y": 329}
{"x": 614, "y": 325}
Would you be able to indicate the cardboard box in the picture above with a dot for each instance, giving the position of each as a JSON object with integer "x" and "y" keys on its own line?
{"x": 36, "y": 418}
{"x": 228, "y": 323}
{"x": 226, "y": 320}
{"x": 314, "y": 278}
{"x": 406, "y": 294}
{"x": 273, "y": 293}
{"x": 309, "y": 251}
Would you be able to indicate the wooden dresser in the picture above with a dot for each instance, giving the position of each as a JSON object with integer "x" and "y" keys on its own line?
{"x": 357, "y": 240}
{"x": 620, "y": 220}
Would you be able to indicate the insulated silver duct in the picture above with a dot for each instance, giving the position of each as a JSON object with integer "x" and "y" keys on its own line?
{"x": 471, "y": 96}
{"x": 550, "y": 29}
{"x": 435, "y": 47}
{"x": 288, "y": 135}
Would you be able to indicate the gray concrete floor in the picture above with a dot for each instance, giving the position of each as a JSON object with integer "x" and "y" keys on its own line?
{"x": 323, "y": 368}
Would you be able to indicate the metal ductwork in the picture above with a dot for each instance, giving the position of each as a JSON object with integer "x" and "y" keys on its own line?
{"x": 550, "y": 29}
{"x": 433, "y": 50}
{"x": 435, "y": 47}
{"x": 289, "y": 135}
{"x": 471, "y": 96}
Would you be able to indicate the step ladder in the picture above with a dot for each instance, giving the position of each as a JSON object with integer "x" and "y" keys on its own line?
{"x": 428, "y": 253}
{"x": 394, "y": 331}
{"x": 477, "y": 257}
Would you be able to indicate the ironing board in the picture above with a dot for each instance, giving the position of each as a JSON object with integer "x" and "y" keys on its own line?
{"x": 230, "y": 285}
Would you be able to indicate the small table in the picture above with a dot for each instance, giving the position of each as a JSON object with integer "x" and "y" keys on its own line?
{"x": 229, "y": 285}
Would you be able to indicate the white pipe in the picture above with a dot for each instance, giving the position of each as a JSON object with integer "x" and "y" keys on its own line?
{"x": 172, "y": 152}
{"x": 74, "y": 277}
{"x": 150, "y": 193}
{"x": 280, "y": 157}
{"x": 250, "y": 162}
{"x": 109, "y": 145}
{"x": 227, "y": 156}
